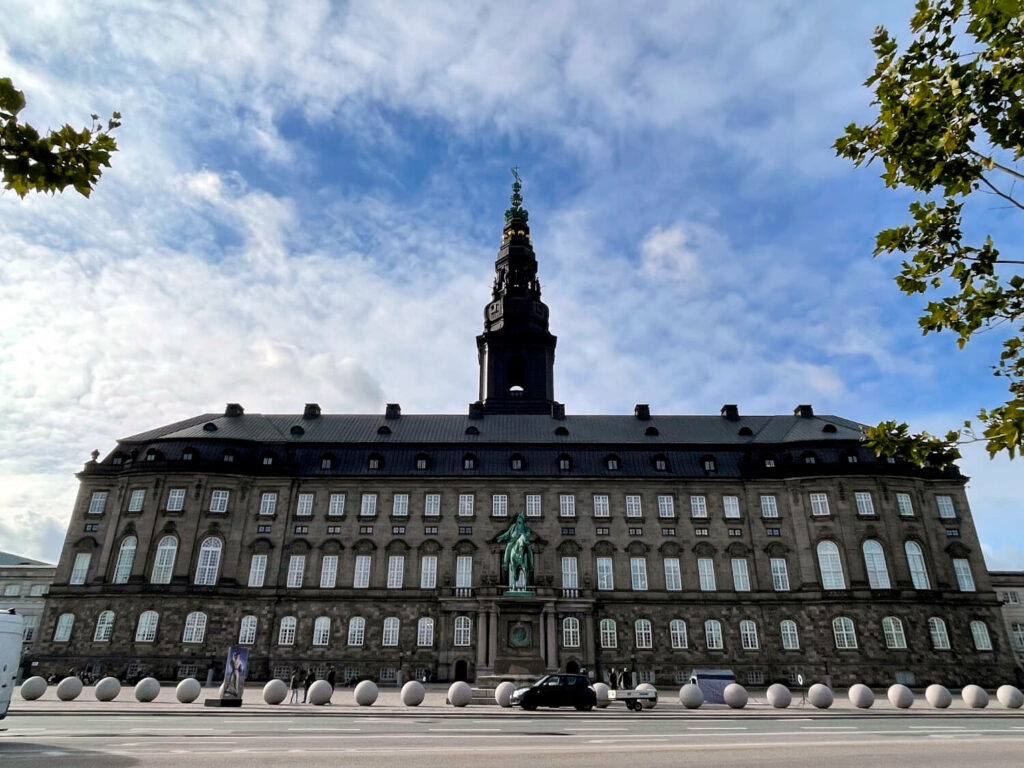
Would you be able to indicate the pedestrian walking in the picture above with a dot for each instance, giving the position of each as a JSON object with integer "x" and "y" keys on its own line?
{"x": 623, "y": 684}
{"x": 332, "y": 675}
{"x": 310, "y": 679}
{"x": 613, "y": 680}
{"x": 293, "y": 684}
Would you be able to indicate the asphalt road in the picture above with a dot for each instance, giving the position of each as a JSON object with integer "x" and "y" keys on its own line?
{"x": 537, "y": 739}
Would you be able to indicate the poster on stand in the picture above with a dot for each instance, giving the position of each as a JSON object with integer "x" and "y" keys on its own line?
{"x": 234, "y": 672}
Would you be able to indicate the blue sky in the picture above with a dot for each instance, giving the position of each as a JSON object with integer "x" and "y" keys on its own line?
{"x": 308, "y": 200}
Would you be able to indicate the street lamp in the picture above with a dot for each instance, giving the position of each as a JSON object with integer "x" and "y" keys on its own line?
{"x": 632, "y": 659}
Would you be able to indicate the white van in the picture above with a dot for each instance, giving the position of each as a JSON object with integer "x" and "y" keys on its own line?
{"x": 10, "y": 656}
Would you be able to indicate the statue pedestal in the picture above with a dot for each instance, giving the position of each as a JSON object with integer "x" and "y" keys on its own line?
{"x": 519, "y": 651}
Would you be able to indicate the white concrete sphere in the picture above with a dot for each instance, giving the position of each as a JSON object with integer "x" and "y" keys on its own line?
{"x": 648, "y": 703}
{"x": 779, "y": 696}
{"x": 147, "y": 689}
{"x": 938, "y": 696}
{"x": 107, "y": 689}
{"x": 735, "y": 696}
{"x": 319, "y": 693}
{"x": 691, "y": 696}
{"x": 188, "y": 690}
{"x": 33, "y": 688}
{"x": 459, "y": 694}
{"x": 900, "y": 696}
{"x": 69, "y": 689}
{"x": 820, "y": 696}
{"x": 366, "y": 693}
{"x": 275, "y": 692}
{"x": 1010, "y": 696}
{"x": 413, "y": 693}
{"x": 503, "y": 693}
{"x": 861, "y": 696}
{"x": 974, "y": 696}
{"x": 601, "y": 692}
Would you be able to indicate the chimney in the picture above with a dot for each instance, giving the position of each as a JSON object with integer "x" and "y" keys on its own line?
{"x": 803, "y": 411}
{"x": 311, "y": 411}
{"x": 558, "y": 411}
{"x": 642, "y": 411}
{"x": 234, "y": 409}
{"x": 731, "y": 412}
{"x": 476, "y": 410}
{"x": 392, "y": 411}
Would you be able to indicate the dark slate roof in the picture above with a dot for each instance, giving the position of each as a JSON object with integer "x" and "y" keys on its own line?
{"x": 9, "y": 558}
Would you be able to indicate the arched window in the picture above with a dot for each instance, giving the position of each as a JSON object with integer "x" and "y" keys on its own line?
{"x": 874, "y": 561}
{"x": 790, "y": 635}
{"x": 62, "y": 632}
{"x": 425, "y": 632}
{"x": 644, "y": 638}
{"x": 915, "y": 561}
{"x": 321, "y": 630}
{"x": 125, "y": 559}
{"x": 104, "y": 627}
{"x": 677, "y": 632}
{"x": 209, "y": 561}
{"x": 356, "y": 630}
{"x": 195, "y": 628}
{"x": 895, "y": 637}
{"x": 390, "y": 636}
{"x": 562, "y": 431}
{"x": 713, "y": 634}
{"x": 982, "y": 639}
{"x": 247, "y": 630}
{"x": 938, "y": 633}
{"x": 570, "y": 632}
{"x": 286, "y": 634}
{"x": 163, "y": 563}
{"x": 145, "y": 632}
{"x": 830, "y": 565}
{"x": 748, "y": 635}
{"x": 462, "y": 630}
{"x": 845, "y": 634}
{"x": 609, "y": 637}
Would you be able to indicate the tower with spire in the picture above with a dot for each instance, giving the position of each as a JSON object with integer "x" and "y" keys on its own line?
{"x": 516, "y": 350}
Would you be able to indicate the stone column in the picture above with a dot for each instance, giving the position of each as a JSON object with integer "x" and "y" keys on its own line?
{"x": 481, "y": 639}
{"x": 591, "y": 657}
{"x": 552, "y": 641}
{"x": 543, "y": 639}
{"x": 492, "y": 637}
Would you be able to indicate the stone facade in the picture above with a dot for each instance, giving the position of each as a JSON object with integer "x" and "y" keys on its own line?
{"x": 1009, "y": 587}
{"x": 24, "y": 584}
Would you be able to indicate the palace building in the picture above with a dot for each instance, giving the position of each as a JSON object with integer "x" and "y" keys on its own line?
{"x": 776, "y": 546}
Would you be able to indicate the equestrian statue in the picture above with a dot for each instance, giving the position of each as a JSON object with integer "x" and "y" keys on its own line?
{"x": 518, "y": 560}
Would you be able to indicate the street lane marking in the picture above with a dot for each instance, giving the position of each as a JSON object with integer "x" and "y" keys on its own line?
{"x": 170, "y": 730}
{"x": 579, "y": 728}
{"x": 716, "y": 727}
{"x": 328, "y": 729}
{"x": 466, "y": 730}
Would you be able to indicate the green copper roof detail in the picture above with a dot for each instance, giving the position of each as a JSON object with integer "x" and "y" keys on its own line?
{"x": 516, "y": 211}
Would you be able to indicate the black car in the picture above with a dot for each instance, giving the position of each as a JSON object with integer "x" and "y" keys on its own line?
{"x": 557, "y": 691}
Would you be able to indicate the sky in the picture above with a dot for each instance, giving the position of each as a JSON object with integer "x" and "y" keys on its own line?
{"x": 308, "y": 198}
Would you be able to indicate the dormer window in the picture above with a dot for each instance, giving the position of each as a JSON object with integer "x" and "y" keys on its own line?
{"x": 516, "y": 462}
{"x": 469, "y": 461}
{"x": 472, "y": 431}
{"x": 376, "y": 461}
{"x": 298, "y": 430}
{"x": 809, "y": 458}
{"x": 188, "y": 455}
{"x": 118, "y": 459}
{"x": 660, "y": 463}
{"x": 326, "y": 462}
{"x": 851, "y": 459}
{"x": 564, "y": 463}
{"x": 830, "y": 428}
{"x": 769, "y": 463}
{"x": 746, "y": 432}
{"x": 422, "y": 461}
{"x": 209, "y": 427}
{"x": 652, "y": 432}
{"x": 709, "y": 463}
{"x": 152, "y": 454}
{"x": 611, "y": 462}
{"x": 268, "y": 460}
{"x": 384, "y": 430}
{"x": 229, "y": 456}
{"x": 561, "y": 431}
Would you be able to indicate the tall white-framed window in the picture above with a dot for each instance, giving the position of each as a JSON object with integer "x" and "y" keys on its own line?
{"x": 163, "y": 563}
{"x": 145, "y": 630}
{"x": 904, "y": 505}
{"x": 964, "y": 577}
{"x": 566, "y": 505}
{"x": 296, "y": 568}
{"x": 713, "y": 635}
{"x": 336, "y": 505}
{"x": 208, "y": 564}
{"x": 748, "y": 635}
{"x": 644, "y": 636}
{"x": 698, "y": 506}
{"x": 368, "y": 505}
{"x": 80, "y": 568}
{"x": 865, "y": 506}
{"x": 945, "y": 505}
{"x": 666, "y": 506}
{"x": 268, "y": 503}
{"x": 895, "y": 637}
{"x": 740, "y": 575}
{"x": 396, "y": 571}
{"x": 195, "y": 628}
{"x": 62, "y": 632}
{"x": 125, "y": 560}
{"x": 361, "y": 576}
{"x": 706, "y": 574}
{"x": 286, "y": 632}
{"x": 533, "y": 505}
{"x": 982, "y": 639}
{"x": 304, "y": 508}
{"x": 601, "y": 508}
{"x": 356, "y": 630}
{"x": 400, "y": 505}
{"x": 605, "y": 578}
{"x": 464, "y": 571}
{"x": 570, "y": 573}
{"x": 328, "y": 571}
{"x": 938, "y": 633}
{"x": 819, "y": 504}
{"x": 915, "y": 561}
{"x": 104, "y": 627}
{"x": 322, "y": 631}
{"x": 463, "y": 631}
{"x": 570, "y": 632}
{"x": 257, "y": 570}
{"x": 247, "y": 630}
{"x": 1017, "y": 633}
{"x": 609, "y": 636}
{"x": 874, "y": 562}
{"x": 769, "y": 506}
{"x": 499, "y": 505}
{"x": 390, "y": 636}
{"x": 428, "y": 572}
{"x": 432, "y": 505}
{"x": 136, "y": 500}
{"x": 219, "y": 501}
{"x": 465, "y": 505}
{"x": 425, "y": 632}
{"x": 677, "y": 634}
{"x": 790, "y": 635}
{"x": 673, "y": 575}
{"x": 831, "y": 566}
{"x": 97, "y": 503}
{"x": 845, "y": 634}
{"x": 633, "y": 507}
{"x": 780, "y": 574}
{"x": 638, "y": 573}
{"x": 175, "y": 499}
{"x": 731, "y": 505}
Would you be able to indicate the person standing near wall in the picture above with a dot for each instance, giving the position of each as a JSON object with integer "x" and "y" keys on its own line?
{"x": 293, "y": 684}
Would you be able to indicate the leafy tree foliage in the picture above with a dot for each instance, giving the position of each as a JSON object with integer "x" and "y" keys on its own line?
{"x": 62, "y": 158}
{"x": 950, "y": 125}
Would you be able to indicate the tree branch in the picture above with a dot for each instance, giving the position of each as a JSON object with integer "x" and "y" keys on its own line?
{"x": 1002, "y": 168}
{"x": 999, "y": 192}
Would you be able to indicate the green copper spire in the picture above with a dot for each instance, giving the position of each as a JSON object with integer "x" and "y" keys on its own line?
{"x": 516, "y": 211}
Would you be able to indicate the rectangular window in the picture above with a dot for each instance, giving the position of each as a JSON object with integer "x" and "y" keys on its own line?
{"x": 135, "y": 500}
{"x": 398, "y": 530}
{"x": 638, "y": 572}
{"x": 97, "y": 503}
{"x": 819, "y": 504}
{"x": 533, "y": 505}
{"x": 264, "y": 528}
{"x": 296, "y": 567}
{"x": 499, "y": 505}
{"x": 302, "y": 529}
{"x": 175, "y": 499}
{"x": 257, "y": 570}
{"x": 466, "y": 505}
{"x": 432, "y": 505}
{"x": 953, "y": 533}
{"x": 465, "y": 530}
{"x": 336, "y": 507}
{"x": 945, "y": 504}
{"x": 567, "y": 505}
{"x": 601, "y": 531}
{"x": 633, "y": 508}
{"x": 905, "y": 506}
{"x": 731, "y": 505}
{"x": 605, "y": 580}
{"x": 396, "y": 571}
{"x": 698, "y": 506}
{"x": 464, "y": 571}
{"x": 865, "y": 506}
{"x": 305, "y": 506}
{"x": 12, "y": 590}
{"x": 568, "y": 531}
{"x": 668, "y": 531}
{"x": 700, "y": 531}
{"x": 740, "y": 575}
{"x": 37, "y": 590}
{"x": 219, "y": 501}
{"x": 328, "y": 571}
{"x": 268, "y": 503}
{"x": 361, "y": 578}
{"x": 92, "y": 527}
{"x": 1017, "y": 630}
{"x": 706, "y": 572}
{"x": 673, "y": 578}
{"x": 80, "y": 568}
{"x": 636, "y": 531}
{"x": 333, "y": 529}
{"x": 772, "y": 532}
{"x": 365, "y": 530}
{"x": 601, "y": 506}
{"x": 780, "y": 576}
{"x": 666, "y": 506}
{"x": 400, "y": 505}
{"x": 570, "y": 573}
{"x": 964, "y": 577}
{"x": 368, "y": 507}
{"x": 428, "y": 572}
{"x": 430, "y": 530}
{"x": 735, "y": 532}
{"x": 769, "y": 508}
